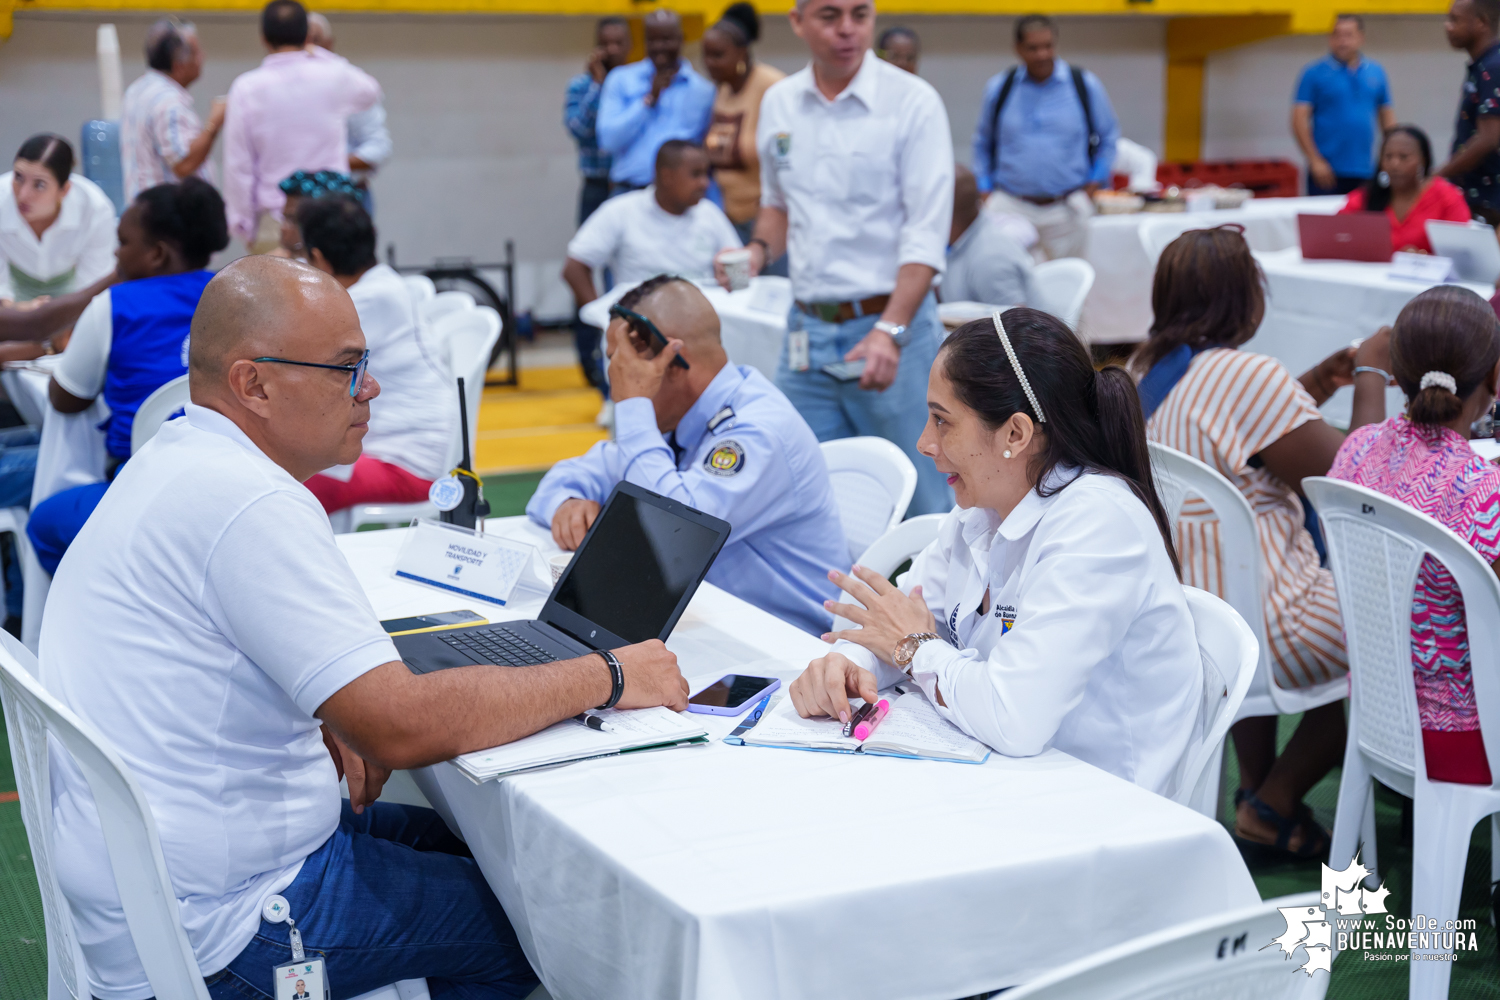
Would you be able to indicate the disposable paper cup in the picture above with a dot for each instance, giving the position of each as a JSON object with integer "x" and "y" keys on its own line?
{"x": 559, "y": 563}
{"x": 736, "y": 268}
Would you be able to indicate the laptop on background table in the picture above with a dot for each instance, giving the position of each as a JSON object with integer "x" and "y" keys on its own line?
{"x": 1362, "y": 236}
{"x": 1470, "y": 245}
{"x": 637, "y": 569}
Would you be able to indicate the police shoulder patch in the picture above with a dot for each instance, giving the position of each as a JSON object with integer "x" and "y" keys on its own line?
{"x": 726, "y": 459}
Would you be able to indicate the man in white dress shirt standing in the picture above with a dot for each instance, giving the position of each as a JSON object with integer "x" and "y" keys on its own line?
{"x": 857, "y": 188}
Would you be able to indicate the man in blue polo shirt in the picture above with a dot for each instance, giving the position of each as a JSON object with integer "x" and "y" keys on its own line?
{"x": 1339, "y": 99}
{"x": 645, "y": 103}
{"x": 1045, "y": 141}
{"x": 1475, "y": 164}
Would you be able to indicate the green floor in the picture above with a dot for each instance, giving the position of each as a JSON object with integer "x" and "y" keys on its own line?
{"x": 1476, "y": 976}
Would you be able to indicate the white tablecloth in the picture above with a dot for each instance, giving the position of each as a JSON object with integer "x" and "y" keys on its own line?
{"x": 759, "y": 873}
{"x": 1118, "y": 309}
{"x": 1315, "y": 307}
{"x": 752, "y": 336}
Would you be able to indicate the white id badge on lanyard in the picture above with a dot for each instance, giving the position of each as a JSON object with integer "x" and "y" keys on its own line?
{"x": 798, "y": 351}
{"x": 302, "y": 978}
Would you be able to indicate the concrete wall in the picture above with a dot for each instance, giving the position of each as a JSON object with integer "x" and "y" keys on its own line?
{"x": 474, "y": 103}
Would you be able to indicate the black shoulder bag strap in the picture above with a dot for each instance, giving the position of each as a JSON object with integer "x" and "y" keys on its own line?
{"x": 1088, "y": 112}
{"x": 1000, "y": 99}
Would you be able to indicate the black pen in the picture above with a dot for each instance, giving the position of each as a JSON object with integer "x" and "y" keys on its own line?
{"x": 858, "y": 717}
{"x": 594, "y": 722}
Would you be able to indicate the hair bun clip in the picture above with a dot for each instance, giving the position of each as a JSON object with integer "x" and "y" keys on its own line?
{"x": 1441, "y": 379}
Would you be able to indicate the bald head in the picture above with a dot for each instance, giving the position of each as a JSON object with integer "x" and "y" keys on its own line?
{"x": 664, "y": 18}
{"x": 258, "y": 306}
{"x": 319, "y": 31}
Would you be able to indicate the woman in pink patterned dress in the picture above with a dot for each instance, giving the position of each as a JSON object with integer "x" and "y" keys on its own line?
{"x": 1443, "y": 353}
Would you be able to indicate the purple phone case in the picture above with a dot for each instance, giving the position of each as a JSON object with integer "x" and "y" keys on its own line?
{"x": 741, "y": 708}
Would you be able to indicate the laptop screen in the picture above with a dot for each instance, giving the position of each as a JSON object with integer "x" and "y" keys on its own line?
{"x": 639, "y": 561}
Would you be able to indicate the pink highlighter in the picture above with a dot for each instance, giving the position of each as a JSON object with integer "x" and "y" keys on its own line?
{"x": 865, "y": 728}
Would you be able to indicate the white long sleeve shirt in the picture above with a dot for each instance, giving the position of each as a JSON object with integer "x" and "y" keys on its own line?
{"x": 1088, "y": 645}
{"x": 82, "y": 240}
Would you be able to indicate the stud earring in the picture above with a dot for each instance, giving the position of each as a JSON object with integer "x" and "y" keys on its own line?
{"x": 1007, "y": 453}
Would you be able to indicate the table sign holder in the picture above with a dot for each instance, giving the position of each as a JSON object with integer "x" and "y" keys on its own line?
{"x": 1424, "y": 267}
{"x": 466, "y": 561}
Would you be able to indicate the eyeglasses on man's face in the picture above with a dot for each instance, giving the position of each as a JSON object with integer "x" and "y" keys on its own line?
{"x": 356, "y": 371}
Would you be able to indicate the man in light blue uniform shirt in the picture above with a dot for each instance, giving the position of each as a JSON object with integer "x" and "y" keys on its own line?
{"x": 718, "y": 437}
{"x": 1055, "y": 145}
{"x": 645, "y": 103}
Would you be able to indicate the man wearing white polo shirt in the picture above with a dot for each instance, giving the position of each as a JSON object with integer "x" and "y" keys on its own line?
{"x": 666, "y": 228}
{"x": 857, "y": 188}
{"x": 207, "y": 626}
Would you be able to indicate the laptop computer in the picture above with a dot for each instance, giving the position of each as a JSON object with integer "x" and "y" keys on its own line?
{"x": 637, "y": 569}
{"x": 1351, "y": 236}
{"x": 1470, "y": 245}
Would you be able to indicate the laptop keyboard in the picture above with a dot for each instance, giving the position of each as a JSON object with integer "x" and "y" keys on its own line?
{"x": 500, "y": 646}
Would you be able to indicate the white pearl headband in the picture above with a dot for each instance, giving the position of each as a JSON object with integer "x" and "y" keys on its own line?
{"x": 1441, "y": 379}
{"x": 1015, "y": 363}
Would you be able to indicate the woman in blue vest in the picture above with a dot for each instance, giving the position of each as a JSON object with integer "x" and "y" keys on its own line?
{"x": 133, "y": 338}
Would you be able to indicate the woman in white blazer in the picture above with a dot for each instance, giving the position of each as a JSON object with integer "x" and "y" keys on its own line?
{"x": 1048, "y": 612}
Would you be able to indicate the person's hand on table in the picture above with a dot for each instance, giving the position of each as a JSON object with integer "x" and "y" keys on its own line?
{"x": 882, "y": 358}
{"x": 826, "y": 685}
{"x": 572, "y": 521}
{"x": 651, "y": 677}
{"x": 1322, "y": 172}
{"x": 757, "y": 261}
{"x": 885, "y": 614}
{"x": 366, "y": 778}
{"x": 633, "y": 371}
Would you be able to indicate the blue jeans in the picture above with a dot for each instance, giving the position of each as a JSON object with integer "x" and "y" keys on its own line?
{"x": 57, "y": 520}
{"x": 392, "y": 895}
{"x": 835, "y": 409}
{"x": 18, "y": 446}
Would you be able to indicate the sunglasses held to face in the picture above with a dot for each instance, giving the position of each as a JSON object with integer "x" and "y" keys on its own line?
{"x": 646, "y": 330}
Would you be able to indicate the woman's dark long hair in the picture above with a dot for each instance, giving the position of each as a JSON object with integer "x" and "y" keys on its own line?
{"x": 1208, "y": 291}
{"x": 1093, "y": 418}
{"x": 1377, "y": 195}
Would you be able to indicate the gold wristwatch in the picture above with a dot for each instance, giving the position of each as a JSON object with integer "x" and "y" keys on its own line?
{"x": 906, "y": 649}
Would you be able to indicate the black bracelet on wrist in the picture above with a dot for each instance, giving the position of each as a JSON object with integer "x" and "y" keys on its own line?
{"x": 616, "y": 679}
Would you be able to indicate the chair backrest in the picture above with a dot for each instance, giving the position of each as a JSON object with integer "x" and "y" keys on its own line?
{"x": 421, "y": 289}
{"x": 1222, "y": 956}
{"x": 443, "y": 303}
{"x": 886, "y": 554}
{"x": 1230, "y": 656}
{"x": 1062, "y": 285}
{"x": 1375, "y": 547}
{"x": 471, "y": 338}
{"x": 1180, "y": 476}
{"x": 146, "y": 893}
{"x": 873, "y": 481}
{"x": 155, "y": 409}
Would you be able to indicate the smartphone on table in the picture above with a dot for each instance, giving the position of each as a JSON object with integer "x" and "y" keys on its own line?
{"x": 432, "y": 623}
{"x": 732, "y": 694}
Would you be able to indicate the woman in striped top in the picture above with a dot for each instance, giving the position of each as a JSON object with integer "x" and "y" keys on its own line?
{"x": 1246, "y": 416}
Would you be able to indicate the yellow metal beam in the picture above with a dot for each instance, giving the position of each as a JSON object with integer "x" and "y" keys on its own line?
{"x": 1189, "y": 42}
{"x": 1308, "y": 15}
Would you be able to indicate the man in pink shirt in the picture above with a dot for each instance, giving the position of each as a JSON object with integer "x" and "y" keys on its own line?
{"x": 288, "y": 114}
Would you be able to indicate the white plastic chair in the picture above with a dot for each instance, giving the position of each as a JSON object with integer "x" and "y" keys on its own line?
{"x": 471, "y": 338}
{"x": 443, "y": 303}
{"x": 34, "y": 580}
{"x": 1179, "y": 476}
{"x": 896, "y": 546}
{"x": 1231, "y": 656}
{"x": 155, "y": 409}
{"x": 130, "y": 837}
{"x": 1376, "y": 546}
{"x": 1221, "y": 957}
{"x": 1061, "y": 286}
{"x": 421, "y": 288}
{"x": 873, "y": 481}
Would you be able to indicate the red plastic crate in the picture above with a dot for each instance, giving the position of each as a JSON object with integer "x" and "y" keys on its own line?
{"x": 1267, "y": 178}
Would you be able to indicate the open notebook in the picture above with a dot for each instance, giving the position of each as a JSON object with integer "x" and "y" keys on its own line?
{"x": 568, "y": 741}
{"x": 913, "y": 728}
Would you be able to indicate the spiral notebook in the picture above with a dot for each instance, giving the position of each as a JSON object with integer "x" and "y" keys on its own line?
{"x": 913, "y": 728}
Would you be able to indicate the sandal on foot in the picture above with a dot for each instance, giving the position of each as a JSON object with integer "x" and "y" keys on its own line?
{"x": 1315, "y": 839}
